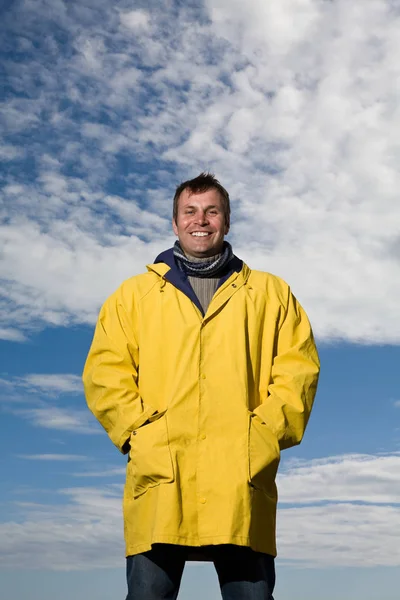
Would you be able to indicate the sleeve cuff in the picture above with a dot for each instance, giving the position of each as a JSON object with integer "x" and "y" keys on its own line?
{"x": 123, "y": 446}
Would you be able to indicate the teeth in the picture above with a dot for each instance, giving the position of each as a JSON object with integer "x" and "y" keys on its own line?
{"x": 200, "y": 233}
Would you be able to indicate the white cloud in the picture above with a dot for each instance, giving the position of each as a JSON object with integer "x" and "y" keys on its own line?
{"x": 53, "y": 457}
{"x": 59, "y": 383}
{"x": 344, "y": 535}
{"x": 353, "y": 513}
{"x": 9, "y": 152}
{"x": 293, "y": 105}
{"x": 347, "y": 478}
{"x": 49, "y": 291}
{"x": 30, "y": 397}
{"x": 119, "y": 471}
{"x": 12, "y": 335}
{"x": 41, "y": 385}
{"x": 61, "y": 419}
{"x": 84, "y": 533}
{"x": 135, "y": 19}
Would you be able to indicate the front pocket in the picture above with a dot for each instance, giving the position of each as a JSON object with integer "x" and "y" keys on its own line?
{"x": 151, "y": 462}
{"x": 264, "y": 455}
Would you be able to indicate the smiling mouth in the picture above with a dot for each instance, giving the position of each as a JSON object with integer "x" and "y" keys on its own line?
{"x": 200, "y": 233}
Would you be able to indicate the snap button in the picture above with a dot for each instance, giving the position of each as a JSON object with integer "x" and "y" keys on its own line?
{"x": 202, "y": 500}
{"x": 234, "y": 285}
{"x": 203, "y": 376}
{"x": 133, "y": 432}
{"x": 203, "y": 436}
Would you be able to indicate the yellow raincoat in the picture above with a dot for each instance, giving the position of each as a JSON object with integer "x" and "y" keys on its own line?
{"x": 204, "y": 402}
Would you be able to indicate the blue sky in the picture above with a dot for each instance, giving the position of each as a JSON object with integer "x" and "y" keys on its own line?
{"x": 106, "y": 108}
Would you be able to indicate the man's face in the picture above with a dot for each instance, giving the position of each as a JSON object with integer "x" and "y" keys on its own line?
{"x": 200, "y": 224}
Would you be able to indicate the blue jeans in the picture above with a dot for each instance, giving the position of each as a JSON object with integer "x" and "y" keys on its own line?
{"x": 243, "y": 574}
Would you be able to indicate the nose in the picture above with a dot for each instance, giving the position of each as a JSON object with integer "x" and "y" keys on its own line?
{"x": 202, "y": 219}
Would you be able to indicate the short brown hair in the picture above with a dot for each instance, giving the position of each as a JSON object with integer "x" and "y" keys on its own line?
{"x": 198, "y": 185}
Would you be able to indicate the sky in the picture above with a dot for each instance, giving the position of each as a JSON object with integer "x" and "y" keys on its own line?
{"x": 106, "y": 107}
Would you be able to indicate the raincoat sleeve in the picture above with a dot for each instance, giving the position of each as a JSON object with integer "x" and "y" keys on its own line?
{"x": 110, "y": 375}
{"x": 294, "y": 377}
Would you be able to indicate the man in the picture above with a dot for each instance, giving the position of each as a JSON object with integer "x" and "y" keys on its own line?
{"x": 202, "y": 370}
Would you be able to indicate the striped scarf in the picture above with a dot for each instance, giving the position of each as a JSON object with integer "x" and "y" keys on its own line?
{"x": 209, "y": 268}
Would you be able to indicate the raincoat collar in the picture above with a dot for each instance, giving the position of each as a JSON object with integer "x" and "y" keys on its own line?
{"x": 179, "y": 279}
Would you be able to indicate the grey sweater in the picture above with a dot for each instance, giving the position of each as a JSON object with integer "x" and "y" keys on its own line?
{"x": 203, "y": 287}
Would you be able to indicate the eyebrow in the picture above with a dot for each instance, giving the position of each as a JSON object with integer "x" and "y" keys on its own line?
{"x": 207, "y": 207}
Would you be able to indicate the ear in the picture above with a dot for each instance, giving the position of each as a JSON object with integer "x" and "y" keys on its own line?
{"x": 174, "y": 227}
{"x": 226, "y": 229}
